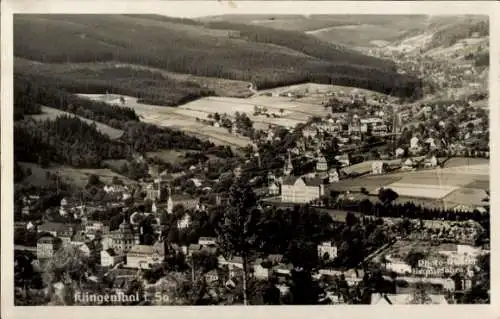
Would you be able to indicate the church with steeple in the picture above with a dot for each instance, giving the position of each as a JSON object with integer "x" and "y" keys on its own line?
{"x": 170, "y": 201}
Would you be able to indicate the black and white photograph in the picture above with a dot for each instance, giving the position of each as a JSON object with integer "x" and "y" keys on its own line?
{"x": 251, "y": 159}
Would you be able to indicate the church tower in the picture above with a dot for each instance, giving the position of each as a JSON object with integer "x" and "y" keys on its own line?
{"x": 170, "y": 202}
{"x": 321, "y": 163}
{"x": 288, "y": 169}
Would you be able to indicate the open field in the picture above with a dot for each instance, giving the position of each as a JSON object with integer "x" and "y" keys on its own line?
{"x": 49, "y": 113}
{"x": 115, "y": 164}
{"x": 369, "y": 182}
{"x": 421, "y": 191}
{"x": 318, "y": 21}
{"x": 466, "y": 161}
{"x": 466, "y": 196}
{"x": 289, "y": 112}
{"x": 357, "y": 35}
{"x": 70, "y": 175}
{"x": 465, "y": 184}
{"x": 175, "y": 118}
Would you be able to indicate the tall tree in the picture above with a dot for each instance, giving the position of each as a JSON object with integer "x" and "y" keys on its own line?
{"x": 237, "y": 227}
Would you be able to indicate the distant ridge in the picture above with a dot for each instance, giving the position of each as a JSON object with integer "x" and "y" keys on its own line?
{"x": 263, "y": 56}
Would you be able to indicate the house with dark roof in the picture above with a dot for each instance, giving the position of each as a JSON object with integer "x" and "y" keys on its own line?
{"x": 79, "y": 238}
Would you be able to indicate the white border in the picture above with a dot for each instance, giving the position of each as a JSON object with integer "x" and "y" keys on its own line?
{"x": 213, "y": 7}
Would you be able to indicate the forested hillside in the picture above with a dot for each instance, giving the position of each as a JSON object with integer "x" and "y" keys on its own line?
{"x": 263, "y": 56}
{"x": 69, "y": 140}
{"x": 148, "y": 86}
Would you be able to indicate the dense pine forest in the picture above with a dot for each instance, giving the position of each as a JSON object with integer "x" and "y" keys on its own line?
{"x": 66, "y": 140}
{"x": 69, "y": 140}
{"x": 31, "y": 91}
{"x": 148, "y": 86}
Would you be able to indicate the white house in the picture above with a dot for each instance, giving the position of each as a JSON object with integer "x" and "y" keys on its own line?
{"x": 212, "y": 276}
{"x": 431, "y": 143}
{"x": 333, "y": 176}
{"x": 431, "y": 162}
{"x": 260, "y": 272}
{"x": 414, "y": 144}
{"x": 86, "y": 249}
{"x": 343, "y": 160}
{"x": 398, "y": 266}
{"x": 110, "y": 258}
{"x": 326, "y": 249}
{"x": 207, "y": 241}
{"x": 273, "y": 189}
{"x": 301, "y": 189}
{"x": 184, "y": 221}
{"x": 235, "y": 264}
{"x": 407, "y": 164}
{"x": 377, "y": 167}
{"x": 400, "y": 152}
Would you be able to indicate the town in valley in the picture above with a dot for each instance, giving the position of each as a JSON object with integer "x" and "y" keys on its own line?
{"x": 261, "y": 160}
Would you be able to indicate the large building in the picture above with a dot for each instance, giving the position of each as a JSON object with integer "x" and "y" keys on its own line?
{"x": 145, "y": 256}
{"x": 122, "y": 239}
{"x": 307, "y": 188}
{"x": 47, "y": 246}
{"x": 301, "y": 190}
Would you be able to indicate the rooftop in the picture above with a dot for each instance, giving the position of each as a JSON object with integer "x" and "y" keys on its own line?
{"x": 55, "y": 227}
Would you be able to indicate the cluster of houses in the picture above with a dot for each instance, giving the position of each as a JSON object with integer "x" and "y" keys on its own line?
{"x": 311, "y": 187}
{"x": 114, "y": 244}
{"x": 444, "y": 73}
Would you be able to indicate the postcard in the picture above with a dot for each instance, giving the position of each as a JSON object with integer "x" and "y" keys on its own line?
{"x": 316, "y": 156}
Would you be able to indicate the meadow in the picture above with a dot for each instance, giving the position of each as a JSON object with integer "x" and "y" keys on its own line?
{"x": 69, "y": 175}
{"x": 462, "y": 181}
{"x": 175, "y": 117}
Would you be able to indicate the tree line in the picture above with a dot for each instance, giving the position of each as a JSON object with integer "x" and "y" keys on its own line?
{"x": 66, "y": 140}
{"x": 31, "y": 91}
{"x": 408, "y": 210}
